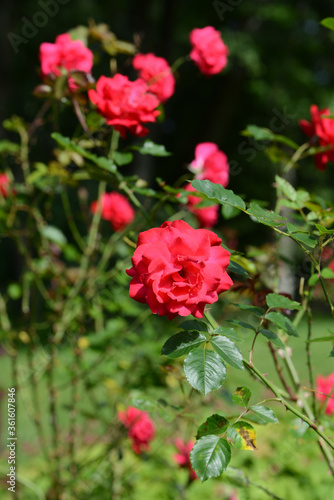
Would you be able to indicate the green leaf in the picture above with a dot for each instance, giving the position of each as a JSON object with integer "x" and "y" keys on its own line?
{"x": 282, "y": 322}
{"x": 228, "y": 332}
{"x": 301, "y": 235}
{"x": 242, "y": 435}
{"x": 210, "y": 456}
{"x": 287, "y": 189}
{"x": 100, "y": 161}
{"x": 264, "y": 414}
{"x": 322, "y": 339}
{"x": 241, "y": 396}
{"x": 331, "y": 354}
{"x": 218, "y": 193}
{"x": 227, "y": 350}
{"x": 267, "y": 217}
{"x": 265, "y": 134}
{"x": 9, "y": 147}
{"x": 241, "y": 323}
{"x": 194, "y": 324}
{"x": 205, "y": 370}
{"x": 54, "y": 234}
{"x": 216, "y": 424}
{"x": 233, "y": 267}
{"x": 282, "y": 302}
{"x": 150, "y": 148}
{"x": 273, "y": 337}
{"x": 327, "y": 273}
{"x": 229, "y": 212}
{"x": 182, "y": 343}
{"x": 121, "y": 158}
{"x": 323, "y": 230}
{"x": 257, "y": 311}
{"x": 328, "y": 22}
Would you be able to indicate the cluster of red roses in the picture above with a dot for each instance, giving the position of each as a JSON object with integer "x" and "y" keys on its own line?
{"x": 141, "y": 431}
{"x": 128, "y": 105}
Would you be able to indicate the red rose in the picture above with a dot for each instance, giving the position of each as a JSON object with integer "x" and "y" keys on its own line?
{"x": 140, "y": 426}
{"x": 209, "y": 52}
{"x": 125, "y": 105}
{"x": 4, "y": 185}
{"x": 321, "y": 129}
{"x": 210, "y": 163}
{"x": 65, "y": 53}
{"x": 177, "y": 270}
{"x": 183, "y": 457}
{"x": 207, "y": 216}
{"x": 325, "y": 386}
{"x": 157, "y": 74}
{"x": 116, "y": 209}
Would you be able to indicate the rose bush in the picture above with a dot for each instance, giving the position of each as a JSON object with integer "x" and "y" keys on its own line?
{"x": 182, "y": 458}
{"x": 177, "y": 270}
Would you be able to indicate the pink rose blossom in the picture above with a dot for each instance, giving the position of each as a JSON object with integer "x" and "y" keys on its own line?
{"x": 183, "y": 457}
{"x": 65, "y": 53}
{"x": 140, "y": 427}
{"x": 177, "y": 270}
{"x": 207, "y": 216}
{"x": 208, "y": 52}
{"x": 116, "y": 209}
{"x": 156, "y": 73}
{"x": 210, "y": 163}
{"x": 325, "y": 385}
{"x": 320, "y": 129}
{"x": 4, "y": 185}
{"x": 126, "y": 105}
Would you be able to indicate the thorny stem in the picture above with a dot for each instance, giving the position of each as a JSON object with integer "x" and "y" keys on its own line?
{"x": 288, "y": 389}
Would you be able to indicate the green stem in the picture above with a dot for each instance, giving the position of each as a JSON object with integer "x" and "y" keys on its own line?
{"x": 288, "y": 406}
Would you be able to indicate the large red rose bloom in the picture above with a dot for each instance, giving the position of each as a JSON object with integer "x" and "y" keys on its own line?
{"x": 208, "y": 52}
{"x": 126, "y": 105}
{"x": 177, "y": 270}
